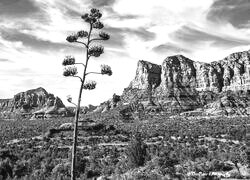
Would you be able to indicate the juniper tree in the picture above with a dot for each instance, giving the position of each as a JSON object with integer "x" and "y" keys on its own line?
{"x": 85, "y": 39}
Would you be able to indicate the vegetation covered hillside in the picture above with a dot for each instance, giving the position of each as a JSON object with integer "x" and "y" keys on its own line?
{"x": 113, "y": 147}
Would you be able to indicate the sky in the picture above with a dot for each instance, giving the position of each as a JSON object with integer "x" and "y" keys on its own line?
{"x": 33, "y": 40}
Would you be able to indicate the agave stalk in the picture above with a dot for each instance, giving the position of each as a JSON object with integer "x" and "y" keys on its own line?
{"x": 93, "y": 19}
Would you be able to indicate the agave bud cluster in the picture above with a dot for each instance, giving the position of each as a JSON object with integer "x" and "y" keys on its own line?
{"x": 93, "y": 17}
{"x": 70, "y": 71}
{"x": 96, "y": 51}
{"x": 89, "y": 85}
{"x": 95, "y": 13}
{"x": 82, "y": 34}
{"x": 104, "y": 36}
{"x": 69, "y": 98}
{"x": 68, "y": 60}
{"x": 105, "y": 69}
{"x": 72, "y": 38}
{"x": 98, "y": 25}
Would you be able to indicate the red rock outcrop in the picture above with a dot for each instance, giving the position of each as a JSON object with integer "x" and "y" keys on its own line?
{"x": 33, "y": 101}
{"x": 180, "y": 80}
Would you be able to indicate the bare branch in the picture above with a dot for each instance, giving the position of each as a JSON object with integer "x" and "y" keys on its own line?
{"x": 81, "y": 43}
{"x": 73, "y": 103}
{"x": 96, "y": 39}
{"x": 81, "y": 64}
{"x": 78, "y": 77}
{"x": 92, "y": 73}
{"x": 69, "y": 99}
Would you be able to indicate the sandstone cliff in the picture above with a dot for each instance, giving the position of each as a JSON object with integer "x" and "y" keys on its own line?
{"x": 147, "y": 79}
{"x": 180, "y": 81}
{"x": 148, "y": 76}
{"x": 37, "y": 101}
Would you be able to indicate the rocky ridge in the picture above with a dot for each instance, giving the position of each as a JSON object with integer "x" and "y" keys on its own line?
{"x": 35, "y": 101}
{"x": 181, "y": 83}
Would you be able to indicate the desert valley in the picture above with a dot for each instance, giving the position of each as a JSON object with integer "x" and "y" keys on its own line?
{"x": 179, "y": 120}
{"x": 124, "y": 90}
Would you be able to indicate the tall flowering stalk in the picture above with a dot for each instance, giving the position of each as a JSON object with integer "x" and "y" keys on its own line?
{"x": 86, "y": 39}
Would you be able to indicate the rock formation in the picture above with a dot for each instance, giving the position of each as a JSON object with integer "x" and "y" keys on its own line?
{"x": 180, "y": 81}
{"x": 34, "y": 101}
{"x": 148, "y": 76}
{"x": 147, "y": 79}
{"x": 108, "y": 105}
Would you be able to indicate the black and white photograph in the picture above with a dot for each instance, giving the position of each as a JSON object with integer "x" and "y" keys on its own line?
{"x": 124, "y": 89}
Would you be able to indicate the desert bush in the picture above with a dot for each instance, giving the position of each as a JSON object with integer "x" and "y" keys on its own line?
{"x": 5, "y": 170}
{"x": 61, "y": 170}
{"x": 136, "y": 151}
{"x": 167, "y": 161}
{"x": 20, "y": 169}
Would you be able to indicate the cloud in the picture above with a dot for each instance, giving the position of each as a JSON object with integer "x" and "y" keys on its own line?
{"x": 5, "y": 60}
{"x": 169, "y": 48}
{"x": 15, "y": 8}
{"x": 18, "y": 72}
{"x": 234, "y": 12}
{"x": 111, "y": 14}
{"x": 126, "y": 17}
{"x": 117, "y": 35}
{"x": 194, "y": 37}
{"x": 32, "y": 42}
{"x": 22, "y": 9}
{"x": 29, "y": 83}
{"x": 142, "y": 33}
{"x": 102, "y": 3}
{"x": 72, "y": 13}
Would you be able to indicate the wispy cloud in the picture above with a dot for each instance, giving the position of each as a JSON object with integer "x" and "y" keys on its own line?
{"x": 5, "y": 60}
{"x": 32, "y": 42}
{"x": 234, "y": 12}
{"x": 194, "y": 36}
{"x": 118, "y": 35}
{"x": 101, "y": 4}
{"x": 18, "y": 9}
{"x": 170, "y": 48}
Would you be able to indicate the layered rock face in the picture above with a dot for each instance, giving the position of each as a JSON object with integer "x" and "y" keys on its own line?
{"x": 231, "y": 73}
{"x": 229, "y": 103}
{"x": 33, "y": 101}
{"x": 183, "y": 79}
{"x": 147, "y": 79}
{"x": 148, "y": 76}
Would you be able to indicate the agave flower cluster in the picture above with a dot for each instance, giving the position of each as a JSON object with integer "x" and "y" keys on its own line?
{"x": 96, "y": 51}
{"x": 104, "y": 36}
{"x": 94, "y": 19}
{"x": 90, "y": 85}
{"x": 82, "y": 34}
{"x": 68, "y": 60}
{"x": 70, "y": 71}
{"x": 72, "y": 38}
{"x": 105, "y": 69}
